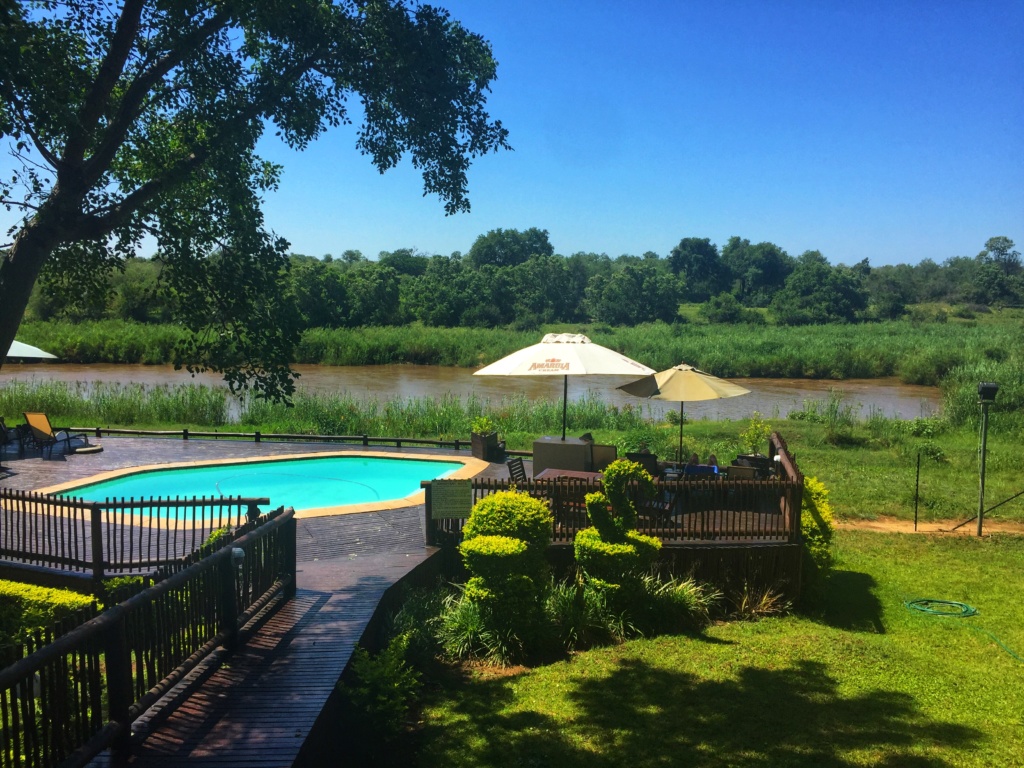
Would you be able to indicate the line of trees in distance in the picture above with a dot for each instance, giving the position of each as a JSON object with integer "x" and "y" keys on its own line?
{"x": 514, "y": 278}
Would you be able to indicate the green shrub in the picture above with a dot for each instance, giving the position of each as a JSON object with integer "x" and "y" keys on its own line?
{"x": 495, "y": 558}
{"x": 483, "y": 425}
{"x": 613, "y": 512}
{"x": 756, "y": 435}
{"x": 817, "y": 529}
{"x": 24, "y": 608}
{"x": 611, "y": 554}
{"x": 504, "y": 545}
{"x": 614, "y": 562}
{"x": 514, "y": 514}
{"x": 381, "y": 689}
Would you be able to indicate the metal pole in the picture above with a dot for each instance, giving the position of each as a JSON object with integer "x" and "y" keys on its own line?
{"x": 680, "y": 459}
{"x": 917, "y": 488}
{"x": 565, "y": 402}
{"x": 984, "y": 446}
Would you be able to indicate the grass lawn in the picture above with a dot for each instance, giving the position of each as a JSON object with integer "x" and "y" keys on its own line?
{"x": 867, "y": 682}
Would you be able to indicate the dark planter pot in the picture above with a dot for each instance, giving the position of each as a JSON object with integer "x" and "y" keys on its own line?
{"x": 487, "y": 447}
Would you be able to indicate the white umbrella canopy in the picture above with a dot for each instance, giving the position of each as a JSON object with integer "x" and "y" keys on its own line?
{"x": 683, "y": 383}
{"x": 28, "y": 352}
{"x": 565, "y": 355}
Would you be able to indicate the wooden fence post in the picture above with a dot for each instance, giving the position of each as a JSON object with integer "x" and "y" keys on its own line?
{"x": 228, "y": 602}
{"x": 96, "y": 534}
{"x": 431, "y": 539}
{"x": 290, "y": 556}
{"x": 119, "y": 689}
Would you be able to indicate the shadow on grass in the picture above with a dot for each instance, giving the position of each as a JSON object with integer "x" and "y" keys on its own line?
{"x": 852, "y": 604}
{"x": 643, "y": 716}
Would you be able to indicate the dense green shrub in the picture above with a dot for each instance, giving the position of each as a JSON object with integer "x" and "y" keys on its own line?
{"x": 613, "y": 512}
{"x": 612, "y": 555}
{"x": 495, "y": 558}
{"x": 380, "y": 690}
{"x": 817, "y": 528}
{"x": 24, "y": 607}
{"x": 613, "y": 562}
{"x": 514, "y": 514}
{"x": 504, "y": 546}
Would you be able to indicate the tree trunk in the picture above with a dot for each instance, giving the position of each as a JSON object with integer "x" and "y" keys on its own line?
{"x": 20, "y": 268}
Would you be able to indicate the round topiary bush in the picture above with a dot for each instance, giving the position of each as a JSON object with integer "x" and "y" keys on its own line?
{"x": 514, "y": 514}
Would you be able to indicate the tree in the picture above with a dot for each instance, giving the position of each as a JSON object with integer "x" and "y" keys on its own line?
{"x": 816, "y": 292}
{"x": 509, "y": 247}
{"x": 759, "y": 271}
{"x": 1000, "y": 251}
{"x": 698, "y": 261}
{"x": 405, "y": 261}
{"x": 142, "y": 117}
{"x": 636, "y": 293}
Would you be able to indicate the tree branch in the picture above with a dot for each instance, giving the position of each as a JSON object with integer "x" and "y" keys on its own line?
{"x": 37, "y": 142}
{"x": 128, "y": 109}
{"x": 106, "y": 78}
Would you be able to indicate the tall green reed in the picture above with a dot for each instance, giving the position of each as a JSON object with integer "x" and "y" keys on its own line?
{"x": 111, "y": 404}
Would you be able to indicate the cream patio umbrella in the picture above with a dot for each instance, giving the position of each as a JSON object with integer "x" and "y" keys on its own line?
{"x": 683, "y": 383}
{"x": 19, "y": 351}
{"x": 565, "y": 355}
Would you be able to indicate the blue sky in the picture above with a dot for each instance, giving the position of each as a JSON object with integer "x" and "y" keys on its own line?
{"x": 892, "y": 131}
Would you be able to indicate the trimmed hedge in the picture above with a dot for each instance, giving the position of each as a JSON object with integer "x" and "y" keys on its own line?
{"x": 24, "y": 607}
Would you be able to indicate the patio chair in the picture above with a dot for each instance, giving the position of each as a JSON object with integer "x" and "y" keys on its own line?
{"x": 8, "y": 437}
{"x": 603, "y": 455}
{"x": 648, "y": 461}
{"x": 516, "y": 470}
{"x": 40, "y": 434}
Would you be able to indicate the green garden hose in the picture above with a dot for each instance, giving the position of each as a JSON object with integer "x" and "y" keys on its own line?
{"x": 953, "y": 609}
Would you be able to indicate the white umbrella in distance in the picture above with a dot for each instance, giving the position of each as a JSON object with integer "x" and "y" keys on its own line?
{"x": 683, "y": 383}
{"x": 21, "y": 351}
{"x": 565, "y": 355}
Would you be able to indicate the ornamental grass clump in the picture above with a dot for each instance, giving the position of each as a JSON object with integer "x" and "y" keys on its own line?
{"x": 504, "y": 546}
{"x": 611, "y": 554}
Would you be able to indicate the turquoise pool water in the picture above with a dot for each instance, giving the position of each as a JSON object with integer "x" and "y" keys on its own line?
{"x": 330, "y": 481}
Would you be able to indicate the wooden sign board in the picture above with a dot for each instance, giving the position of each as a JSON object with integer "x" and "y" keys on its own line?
{"x": 450, "y": 498}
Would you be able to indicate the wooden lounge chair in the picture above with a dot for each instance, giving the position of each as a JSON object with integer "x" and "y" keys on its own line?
{"x": 40, "y": 434}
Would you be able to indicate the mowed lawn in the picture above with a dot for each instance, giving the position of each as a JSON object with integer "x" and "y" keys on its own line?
{"x": 865, "y": 682}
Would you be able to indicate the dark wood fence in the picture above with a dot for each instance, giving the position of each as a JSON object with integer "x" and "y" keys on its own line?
{"x": 116, "y": 536}
{"x": 72, "y": 695}
{"x": 702, "y": 509}
{"x": 366, "y": 441}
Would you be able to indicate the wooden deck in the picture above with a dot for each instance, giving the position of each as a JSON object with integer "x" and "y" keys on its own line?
{"x": 260, "y": 707}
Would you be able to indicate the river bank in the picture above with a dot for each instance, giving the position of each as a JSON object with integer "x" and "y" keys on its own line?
{"x": 770, "y": 396}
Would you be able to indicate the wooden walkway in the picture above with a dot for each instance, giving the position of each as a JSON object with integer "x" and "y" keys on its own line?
{"x": 260, "y": 707}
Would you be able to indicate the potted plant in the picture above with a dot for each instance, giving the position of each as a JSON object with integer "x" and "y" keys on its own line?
{"x": 753, "y": 438}
{"x": 484, "y": 436}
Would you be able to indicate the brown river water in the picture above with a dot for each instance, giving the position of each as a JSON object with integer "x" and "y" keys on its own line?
{"x": 770, "y": 397}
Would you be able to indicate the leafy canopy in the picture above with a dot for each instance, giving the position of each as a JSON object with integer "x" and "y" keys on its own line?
{"x": 142, "y": 118}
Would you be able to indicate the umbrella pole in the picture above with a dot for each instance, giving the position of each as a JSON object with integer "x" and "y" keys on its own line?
{"x": 565, "y": 402}
{"x": 680, "y": 459}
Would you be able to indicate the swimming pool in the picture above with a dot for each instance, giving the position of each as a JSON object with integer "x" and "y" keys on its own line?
{"x": 320, "y": 483}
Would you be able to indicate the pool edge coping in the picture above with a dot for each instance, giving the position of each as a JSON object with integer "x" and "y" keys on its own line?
{"x": 471, "y": 467}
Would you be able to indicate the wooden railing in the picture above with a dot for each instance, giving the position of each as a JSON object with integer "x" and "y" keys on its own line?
{"x": 99, "y": 538}
{"x": 366, "y": 441}
{"x": 699, "y": 509}
{"x": 76, "y": 694}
